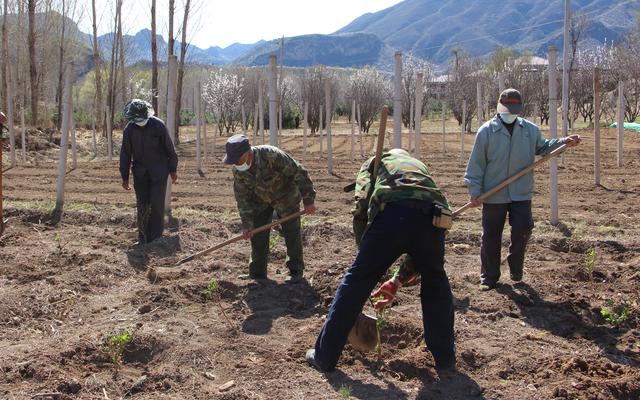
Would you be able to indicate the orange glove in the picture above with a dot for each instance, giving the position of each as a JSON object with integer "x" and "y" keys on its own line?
{"x": 385, "y": 294}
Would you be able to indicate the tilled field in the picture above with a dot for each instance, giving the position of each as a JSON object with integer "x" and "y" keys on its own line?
{"x": 68, "y": 290}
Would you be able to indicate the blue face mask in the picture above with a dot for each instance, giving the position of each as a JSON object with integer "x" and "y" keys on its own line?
{"x": 508, "y": 118}
{"x": 141, "y": 123}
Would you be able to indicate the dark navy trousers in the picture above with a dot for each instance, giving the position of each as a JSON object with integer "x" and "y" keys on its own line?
{"x": 401, "y": 228}
{"x": 493, "y": 219}
{"x": 150, "y": 196}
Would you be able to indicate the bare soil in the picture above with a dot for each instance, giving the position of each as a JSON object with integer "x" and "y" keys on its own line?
{"x": 68, "y": 288}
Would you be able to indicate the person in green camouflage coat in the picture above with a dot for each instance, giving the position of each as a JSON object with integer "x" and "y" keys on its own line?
{"x": 266, "y": 179}
{"x": 394, "y": 215}
{"x": 416, "y": 175}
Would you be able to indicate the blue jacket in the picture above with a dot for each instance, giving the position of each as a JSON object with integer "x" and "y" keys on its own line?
{"x": 147, "y": 149}
{"x": 497, "y": 155}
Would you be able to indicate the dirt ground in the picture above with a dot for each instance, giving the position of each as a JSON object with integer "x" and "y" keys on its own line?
{"x": 70, "y": 289}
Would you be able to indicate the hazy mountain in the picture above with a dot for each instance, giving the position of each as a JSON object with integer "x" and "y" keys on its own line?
{"x": 431, "y": 28}
{"x": 343, "y": 50}
{"x": 138, "y": 48}
{"x": 426, "y": 28}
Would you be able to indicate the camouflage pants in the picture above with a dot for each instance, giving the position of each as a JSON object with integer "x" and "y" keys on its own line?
{"x": 260, "y": 245}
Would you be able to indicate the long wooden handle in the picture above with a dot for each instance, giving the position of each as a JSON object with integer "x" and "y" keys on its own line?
{"x": 513, "y": 178}
{"x": 239, "y": 237}
{"x": 380, "y": 145}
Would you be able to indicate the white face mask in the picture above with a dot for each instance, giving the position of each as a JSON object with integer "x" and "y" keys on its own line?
{"x": 508, "y": 118}
{"x": 142, "y": 123}
{"x": 242, "y": 167}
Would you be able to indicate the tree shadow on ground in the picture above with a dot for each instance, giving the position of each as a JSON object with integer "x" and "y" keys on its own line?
{"x": 270, "y": 300}
{"x": 567, "y": 319}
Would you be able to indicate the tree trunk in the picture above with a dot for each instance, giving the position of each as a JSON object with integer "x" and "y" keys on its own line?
{"x": 123, "y": 80}
{"x": 183, "y": 54}
{"x": 61, "y": 68}
{"x": 97, "y": 65}
{"x": 171, "y": 43}
{"x": 33, "y": 73}
{"x": 154, "y": 58}
{"x": 3, "y": 64}
{"x": 112, "y": 71}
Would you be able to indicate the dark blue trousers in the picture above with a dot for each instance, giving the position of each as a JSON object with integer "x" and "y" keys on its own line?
{"x": 493, "y": 219}
{"x": 401, "y": 228}
{"x": 150, "y": 197}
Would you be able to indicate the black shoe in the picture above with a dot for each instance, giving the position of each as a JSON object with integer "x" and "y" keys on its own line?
{"x": 311, "y": 360}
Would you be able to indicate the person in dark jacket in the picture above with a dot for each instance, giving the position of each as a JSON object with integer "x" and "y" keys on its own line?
{"x": 147, "y": 150}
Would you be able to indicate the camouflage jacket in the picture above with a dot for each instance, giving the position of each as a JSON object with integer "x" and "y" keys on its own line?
{"x": 274, "y": 180}
{"x": 399, "y": 177}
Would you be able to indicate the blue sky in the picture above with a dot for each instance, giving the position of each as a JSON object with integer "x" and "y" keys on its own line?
{"x": 221, "y": 23}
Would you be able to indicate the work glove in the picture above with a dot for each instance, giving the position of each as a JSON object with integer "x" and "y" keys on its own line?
{"x": 385, "y": 294}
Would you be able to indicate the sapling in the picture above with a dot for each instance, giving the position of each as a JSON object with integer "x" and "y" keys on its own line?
{"x": 116, "y": 344}
{"x": 273, "y": 242}
{"x": 616, "y": 314}
{"x": 345, "y": 391}
{"x": 589, "y": 262}
{"x": 380, "y": 322}
{"x": 211, "y": 292}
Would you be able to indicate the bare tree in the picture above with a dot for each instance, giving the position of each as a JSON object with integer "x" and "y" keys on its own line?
{"x": 113, "y": 74}
{"x": 410, "y": 68}
{"x": 311, "y": 87}
{"x": 464, "y": 72}
{"x": 61, "y": 63}
{"x": 123, "y": 78}
{"x": 369, "y": 88}
{"x": 183, "y": 54}
{"x": 5, "y": 54}
{"x": 33, "y": 72}
{"x": 154, "y": 58}
{"x": 172, "y": 40}
{"x": 97, "y": 64}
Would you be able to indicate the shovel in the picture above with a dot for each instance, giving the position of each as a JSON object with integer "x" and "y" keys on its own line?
{"x": 364, "y": 334}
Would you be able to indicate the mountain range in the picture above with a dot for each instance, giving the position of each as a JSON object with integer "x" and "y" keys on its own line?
{"x": 427, "y": 29}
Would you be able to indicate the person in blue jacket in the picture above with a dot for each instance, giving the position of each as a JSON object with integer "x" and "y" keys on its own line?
{"x": 148, "y": 151}
{"x": 505, "y": 145}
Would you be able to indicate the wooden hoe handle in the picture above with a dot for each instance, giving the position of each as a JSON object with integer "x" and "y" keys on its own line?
{"x": 239, "y": 237}
{"x": 379, "y": 147}
{"x": 513, "y": 178}
{"x": 380, "y": 143}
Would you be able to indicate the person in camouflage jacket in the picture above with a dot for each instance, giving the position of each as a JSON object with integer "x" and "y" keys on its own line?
{"x": 266, "y": 179}
{"x": 393, "y": 216}
{"x": 366, "y": 201}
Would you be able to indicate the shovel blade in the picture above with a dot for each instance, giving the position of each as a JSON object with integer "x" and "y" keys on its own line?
{"x": 364, "y": 334}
